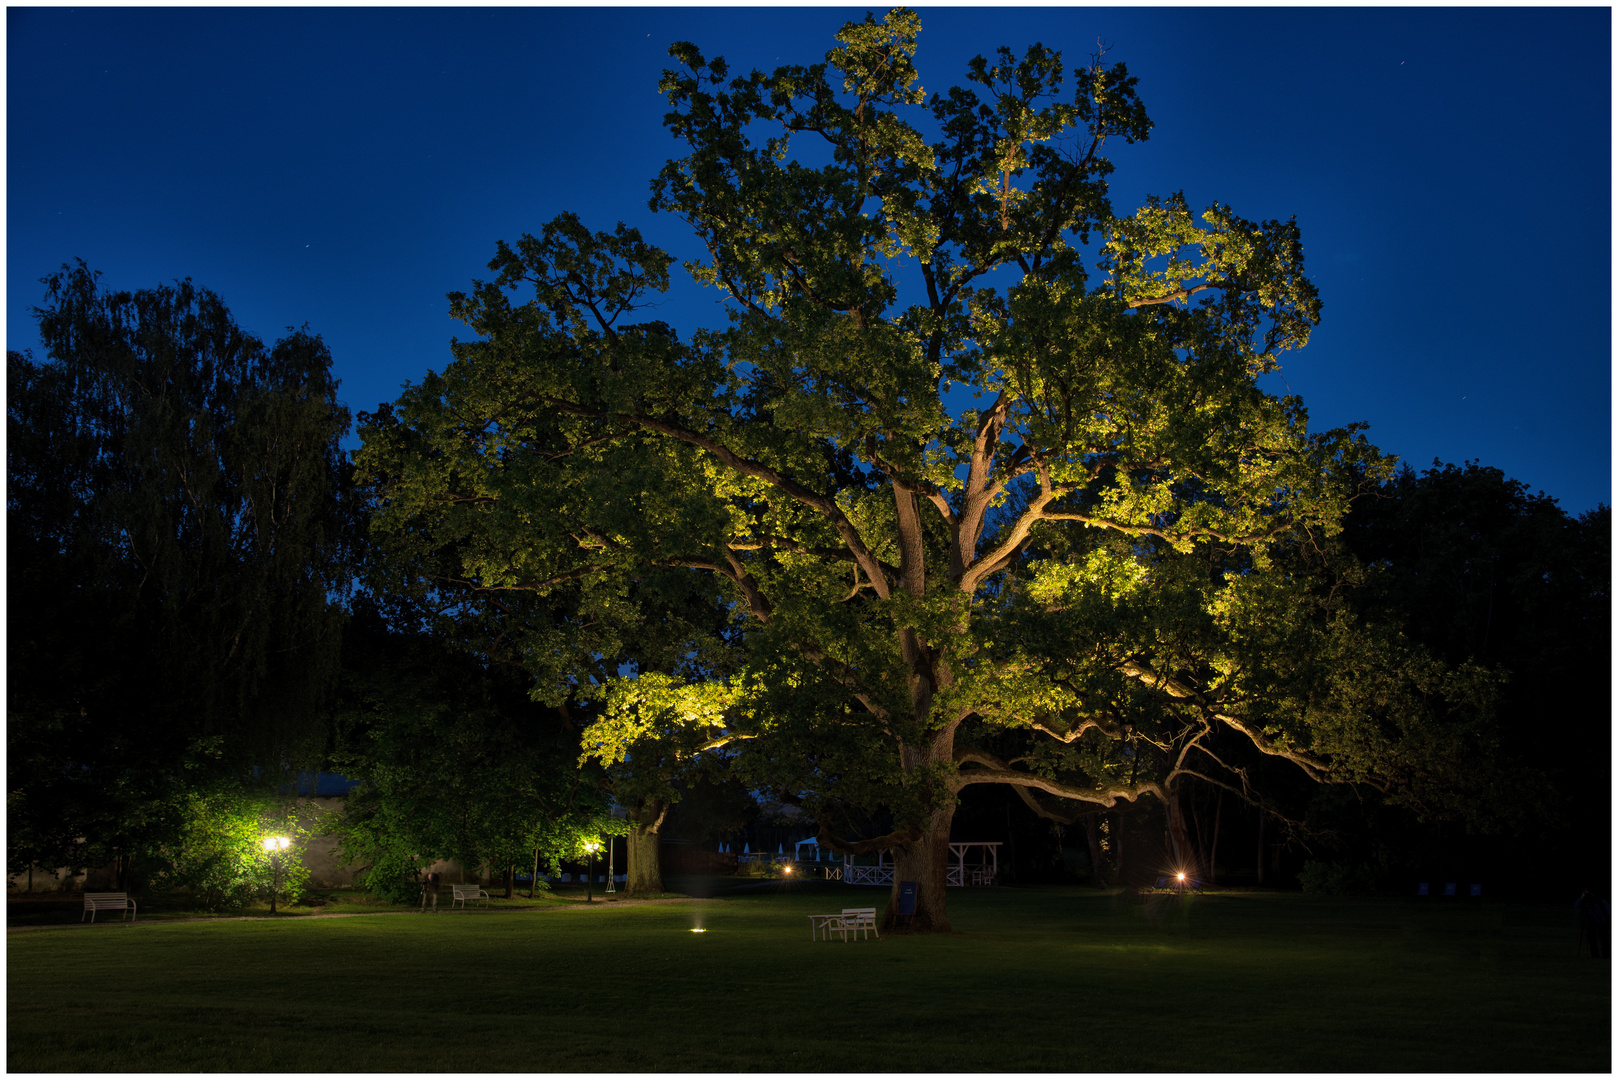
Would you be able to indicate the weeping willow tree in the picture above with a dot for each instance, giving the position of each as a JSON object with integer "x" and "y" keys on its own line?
{"x": 175, "y": 519}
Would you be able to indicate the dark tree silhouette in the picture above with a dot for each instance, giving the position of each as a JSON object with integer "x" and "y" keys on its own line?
{"x": 174, "y": 516}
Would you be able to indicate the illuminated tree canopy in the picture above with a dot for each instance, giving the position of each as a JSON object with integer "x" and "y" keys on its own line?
{"x": 975, "y": 459}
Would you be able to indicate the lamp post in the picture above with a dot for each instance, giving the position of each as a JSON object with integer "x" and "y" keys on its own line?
{"x": 612, "y": 879}
{"x": 274, "y": 845}
{"x": 590, "y": 879}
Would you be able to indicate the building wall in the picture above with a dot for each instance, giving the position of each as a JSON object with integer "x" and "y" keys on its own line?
{"x": 326, "y": 871}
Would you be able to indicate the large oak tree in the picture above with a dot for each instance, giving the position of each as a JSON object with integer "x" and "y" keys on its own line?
{"x": 975, "y": 454}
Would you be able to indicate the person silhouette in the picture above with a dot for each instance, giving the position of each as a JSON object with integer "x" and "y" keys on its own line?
{"x": 1595, "y": 923}
{"x": 429, "y": 891}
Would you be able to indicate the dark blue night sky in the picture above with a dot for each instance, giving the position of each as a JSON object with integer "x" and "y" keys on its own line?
{"x": 1450, "y": 169}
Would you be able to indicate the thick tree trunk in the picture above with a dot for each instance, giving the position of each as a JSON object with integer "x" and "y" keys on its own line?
{"x": 645, "y": 871}
{"x": 1261, "y": 847}
{"x": 1011, "y": 847}
{"x": 511, "y": 878}
{"x": 926, "y": 862}
{"x": 1213, "y": 850}
{"x": 1185, "y": 855}
{"x": 1092, "y": 834}
{"x": 1197, "y": 832}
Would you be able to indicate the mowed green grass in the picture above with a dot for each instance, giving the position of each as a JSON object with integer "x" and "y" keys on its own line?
{"x": 60, "y": 910}
{"x": 1056, "y": 978}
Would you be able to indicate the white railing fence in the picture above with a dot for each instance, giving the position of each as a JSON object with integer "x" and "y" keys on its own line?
{"x": 957, "y": 873}
{"x": 867, "y": 875}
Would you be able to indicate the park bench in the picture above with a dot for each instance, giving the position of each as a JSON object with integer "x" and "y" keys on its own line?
{"x": 861, "y": 918}
{"x": 463, "y": 893}
{"x": 107, "y": 901}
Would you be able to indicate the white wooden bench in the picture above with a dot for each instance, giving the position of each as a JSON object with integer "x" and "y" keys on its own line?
{"x": 107, "y": 901}
{"x": 861, "y": 918}
{"x": 832, "y": 924}
{"x": 463, "y": 893}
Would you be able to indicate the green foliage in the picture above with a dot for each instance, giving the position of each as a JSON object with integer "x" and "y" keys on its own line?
{"x": 656, "y": 736}
{"x": 218, "y": 857}
{"x": 1086, "y": 583}
{"x": 455, "y": 763}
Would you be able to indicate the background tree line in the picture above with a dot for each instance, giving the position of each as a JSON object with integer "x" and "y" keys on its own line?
{"x": 178, "y": 553}
{"x": 1467, "y": 561}
{"x": 1124, "y": 594}
{"x": 193, "y": 627}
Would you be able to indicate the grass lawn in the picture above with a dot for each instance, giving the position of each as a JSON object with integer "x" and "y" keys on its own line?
{"x": 1051, "y": 978}
{"x": 53, "y": 909}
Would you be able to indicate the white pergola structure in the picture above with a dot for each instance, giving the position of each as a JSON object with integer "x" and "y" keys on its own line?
{"x": 984, "y": 872}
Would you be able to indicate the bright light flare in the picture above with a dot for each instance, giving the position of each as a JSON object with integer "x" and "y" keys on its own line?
{"x": 1181, "y": 876}
{"x": 698, "y": 930}
{"x": 273, "y": 844}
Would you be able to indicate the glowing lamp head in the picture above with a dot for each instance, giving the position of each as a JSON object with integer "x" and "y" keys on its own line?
{"x": 1181, "y": 875}
{"x": 592, "y": 847}
{"x": 272, "y": 844}
{"x": 698, "y": 930}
